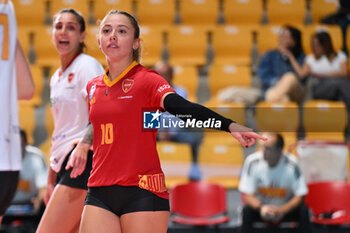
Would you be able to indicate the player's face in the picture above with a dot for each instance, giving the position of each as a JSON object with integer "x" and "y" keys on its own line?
{"x": 66, "y": 34}
{"x": 116, "y": 37}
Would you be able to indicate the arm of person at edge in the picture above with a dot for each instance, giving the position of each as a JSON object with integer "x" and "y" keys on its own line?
{"x": 25, "y": 84}
{"x": 51, "y": 180}
{"x": 245, "y": 136}
{"x": 271, "y": 212}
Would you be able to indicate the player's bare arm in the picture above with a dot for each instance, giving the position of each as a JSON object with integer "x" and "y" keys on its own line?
{"x": 25, "y": 84}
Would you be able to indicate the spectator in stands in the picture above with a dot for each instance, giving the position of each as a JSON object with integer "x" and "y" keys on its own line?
{"x": 328, "y": 71}
{"x": 276, "y": 72}
{"x": 341, "y": 18}
{"x": 177, "y": 134}
{"x": 32, "y": 177}
{"x": 326, "y": 68}
{"x": 273, "y": 187}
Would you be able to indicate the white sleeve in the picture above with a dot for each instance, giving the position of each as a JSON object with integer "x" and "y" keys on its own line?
{"x": 342, "y": 57}
{"x": 247, "y": 183}
{"x": 300, "y": 187}
{"x": 310, "y": 60}
{"x": 91, "y": 69}
{"x": 40, "y": 170}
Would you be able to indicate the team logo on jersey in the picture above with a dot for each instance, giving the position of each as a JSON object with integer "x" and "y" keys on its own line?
{"x": 127, "y": 85}
{"x": 92, "y": 90}
{"x": 70, "y": 77}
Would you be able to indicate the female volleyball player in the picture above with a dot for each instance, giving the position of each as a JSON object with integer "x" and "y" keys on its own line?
{"x": 65, "y": 196}
{"x": 127, "y": 191}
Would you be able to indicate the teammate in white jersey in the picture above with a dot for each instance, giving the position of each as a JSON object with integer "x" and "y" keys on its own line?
{"x": 65, "y": 195}
{"x": 273, "y": 187}
{"x": 12, "y": 88}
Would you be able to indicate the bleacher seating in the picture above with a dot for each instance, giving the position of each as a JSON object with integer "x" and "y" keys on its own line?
{"x": 238, "y": 12}
{"x": 325, "y": 120}
{"x": 286, "y": 11}
{"x": 232, "y": 44}
{"x": 225, "y": 75}
{"x": 187, "y": 77}
{"x": 156, "y": 12}
{"x": 202, "y": 13}
{"x": 152, "y": 44}
{"x": 176, "y": 160}
{"x": 187, "y": 45}
{"x": 322, "y": 8}
{"x": 102, "y": 7}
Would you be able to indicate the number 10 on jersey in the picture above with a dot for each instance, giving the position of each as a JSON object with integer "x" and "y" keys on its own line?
{"x": 107, "y": 133}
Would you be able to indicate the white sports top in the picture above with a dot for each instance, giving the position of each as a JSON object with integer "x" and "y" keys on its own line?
{"x": 274, "y": 186}
{"x": 323, "y": 65}
{"x": 10, "y": 147}
{"x": 69, "y": 105}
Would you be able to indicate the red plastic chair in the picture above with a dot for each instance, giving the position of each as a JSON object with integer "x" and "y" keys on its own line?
{"x": 329, "y": 202}
{"x": 199, "y": 204}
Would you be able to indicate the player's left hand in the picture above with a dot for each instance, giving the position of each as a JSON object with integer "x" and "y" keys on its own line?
{"x": 77, "y": 159}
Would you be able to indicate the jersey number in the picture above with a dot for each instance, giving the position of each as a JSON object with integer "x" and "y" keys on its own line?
{"x": 5, "y": 44}
{"x": 107, "y": 133}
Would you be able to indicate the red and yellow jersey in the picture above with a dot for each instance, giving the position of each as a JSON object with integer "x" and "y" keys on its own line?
{"x": 124, "y": 153}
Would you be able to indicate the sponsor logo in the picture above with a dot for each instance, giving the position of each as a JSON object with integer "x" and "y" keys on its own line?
{"x": 154, "y": 183}
{"x": 163, "y": 87}
{"x": 92, "y": 90}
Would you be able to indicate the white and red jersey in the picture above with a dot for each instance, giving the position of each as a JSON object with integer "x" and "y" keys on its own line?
{"x": 10, "y": 147}
{"x": 124, "y": 153}
{"x": 69, "y": 105}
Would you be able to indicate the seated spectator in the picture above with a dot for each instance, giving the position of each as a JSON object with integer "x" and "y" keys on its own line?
{"x": 273, "y": 187}
{"x": 177, "y": 134}
{"x": 341, "y": 18}
{"x": 32, "y": 178}
{"x": 326, "y": 68}
{"x": 276, "y": 72}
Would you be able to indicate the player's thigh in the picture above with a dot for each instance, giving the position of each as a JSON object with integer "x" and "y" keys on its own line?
{"x": 145, "y": 222}
{"x": 65, "y": 203}
{"x": 95, "y": 219}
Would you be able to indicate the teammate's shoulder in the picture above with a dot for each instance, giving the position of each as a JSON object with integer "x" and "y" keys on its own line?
{"x": 83, "y": 57}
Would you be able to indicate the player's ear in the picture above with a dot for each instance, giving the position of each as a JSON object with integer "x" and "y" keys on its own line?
{"x": 136, "y": 44}
{"x": 98, "y": 41}
{"x": 82, "y": 37}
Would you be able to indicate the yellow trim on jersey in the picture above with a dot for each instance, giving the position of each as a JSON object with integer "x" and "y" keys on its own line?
{"x": 111, "y": 83}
